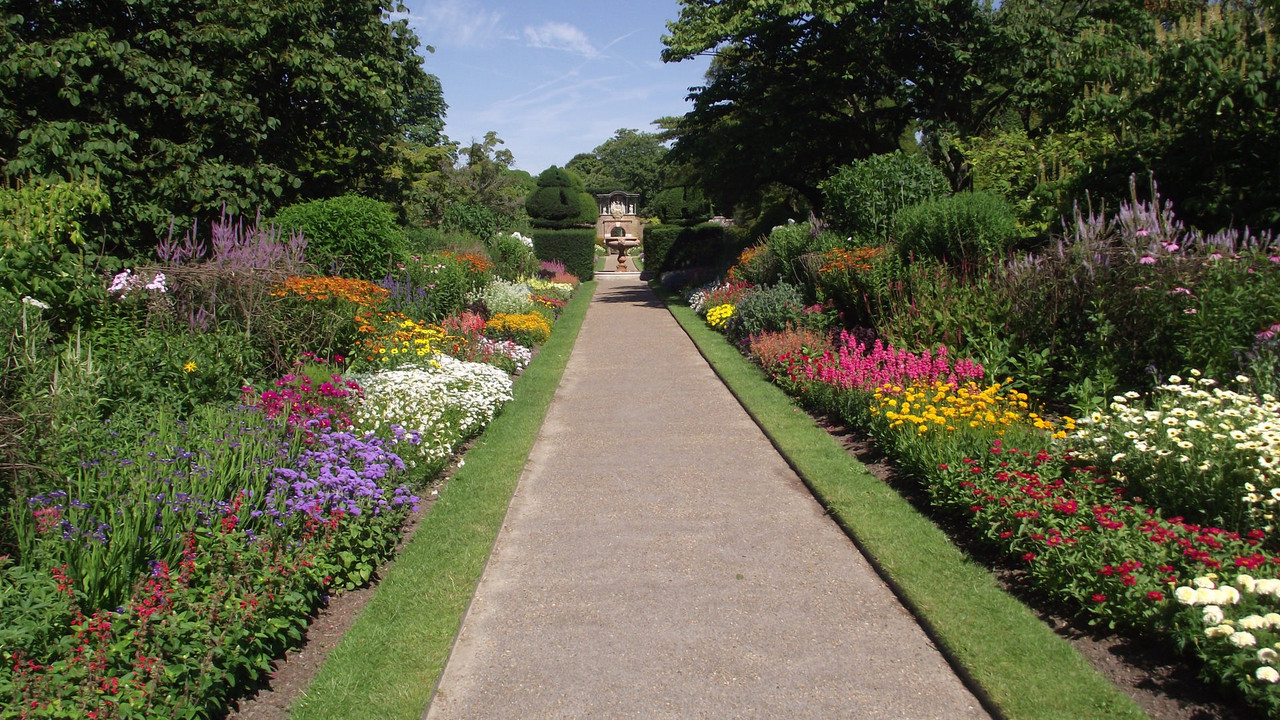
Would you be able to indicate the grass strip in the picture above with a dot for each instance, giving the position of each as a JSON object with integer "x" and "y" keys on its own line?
{"x": 1007, "y": 654}
{"x": 388, "y": 663}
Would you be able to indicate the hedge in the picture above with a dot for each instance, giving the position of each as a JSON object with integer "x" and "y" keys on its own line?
{"x": 670, "y": 247}
{"x": 576, "y": 248}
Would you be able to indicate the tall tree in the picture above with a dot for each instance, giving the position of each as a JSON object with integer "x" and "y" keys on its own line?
{"x": 182, "y": 106}
{"x": 798, "y": 88}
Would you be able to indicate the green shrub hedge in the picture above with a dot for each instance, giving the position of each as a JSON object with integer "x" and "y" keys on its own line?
{"x": 862, "y": 198}
{"x": 963, "y": 227}
{"x": 357, "y": 233}
{"x": 669, "y": 247}
{"x": 575, "y": 247}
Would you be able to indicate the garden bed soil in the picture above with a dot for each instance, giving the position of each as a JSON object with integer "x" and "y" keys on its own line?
{"x": 1163, "y": 684}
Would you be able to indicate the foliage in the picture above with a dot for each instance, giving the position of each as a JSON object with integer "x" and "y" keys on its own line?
{"x": 1037, "y": 175}
{"x": 630, "y": 160}
{"x": 968, "y": 227}
{"x": 513, "y": 255}
{"x": 863, "y": 197}
{"x": 558, "y": 199}
{"x": 356, "y": 234}
{"x": 182, "y": 110}
{"x": 682, "y": 204}
{"x": 575, "y": 248}
{"x": 43, "y": 251}
{"x": 176, "y": 369}
{"x": 768, "y": 309}
{"x": 469, "y": 218}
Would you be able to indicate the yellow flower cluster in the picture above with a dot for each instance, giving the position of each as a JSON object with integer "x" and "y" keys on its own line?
{"x": 407, "y": 339}
{"x": 946, "y": 407}
{"x": 718, "y": 316}
{"x": 528, "y": 329}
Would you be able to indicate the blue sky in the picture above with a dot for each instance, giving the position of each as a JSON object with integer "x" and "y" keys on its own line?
{"x": 552, "y": 78}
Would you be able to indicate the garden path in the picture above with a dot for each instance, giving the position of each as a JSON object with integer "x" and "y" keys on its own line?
{"x": 661, "y": 560}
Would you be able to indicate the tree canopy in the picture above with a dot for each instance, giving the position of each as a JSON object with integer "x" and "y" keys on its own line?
{"x": 1186, "y": 89}
{"x": 630, "y": 160}
{"x": 182, "y": 106}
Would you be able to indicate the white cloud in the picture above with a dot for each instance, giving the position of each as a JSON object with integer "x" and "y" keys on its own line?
{"x": 459, "y": 23}
{"x": 560, "y": 36}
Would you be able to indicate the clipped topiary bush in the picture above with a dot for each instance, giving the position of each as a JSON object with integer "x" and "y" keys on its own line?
{"x": 965, "y": 227}
{"x": 862, "y": 198}
{"x": 356, "y": 234}
{"x": 574, "y": 247}
{"x": 559, "y": 199}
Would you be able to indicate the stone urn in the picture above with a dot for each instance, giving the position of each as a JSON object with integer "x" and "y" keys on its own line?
{"x": 620, "y": 242}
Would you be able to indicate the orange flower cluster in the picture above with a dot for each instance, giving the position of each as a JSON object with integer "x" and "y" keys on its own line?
{"x": 856, "y": 260}
{"x": 361, "y": 292}
{"x": 746, "y": 257}
{"x": 473, "y": 263}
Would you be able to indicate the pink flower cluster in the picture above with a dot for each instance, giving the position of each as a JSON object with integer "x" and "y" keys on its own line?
{"x": 307, "y": 405}
{"x": 854, "y": 366}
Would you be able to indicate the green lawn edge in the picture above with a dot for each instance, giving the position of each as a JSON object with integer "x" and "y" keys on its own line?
{"x": 1012, "y": 660}
{"x": 387, "y": 665}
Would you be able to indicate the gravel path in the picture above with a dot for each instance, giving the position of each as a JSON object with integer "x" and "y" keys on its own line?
{"x": 661, "y": 560}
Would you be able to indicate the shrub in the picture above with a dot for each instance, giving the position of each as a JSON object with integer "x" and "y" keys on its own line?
{"x": 355, "y": 233}
{"x": 680, "y": 205}
{"x": 847, "y": 277}
{"x": 790, "y": 245}
{"x": 512, "y": 255}
{"x": 769, "y": 309}
{"x": 575, "y": 248}
{"x": 862, "y": 198}
{"x": 658, "y": 240}
{"x": 671, "y": 247}
{"x": 43, "y": 252}
{"x": 528, "y": 329}
{"x": 757, "y": 265}
{"x": 962, "y": 228}
{"x": 558, "y": 199}
{"x": 470, "y": 219}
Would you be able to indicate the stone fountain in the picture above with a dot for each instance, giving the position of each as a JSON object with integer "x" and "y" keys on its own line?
{"x": 620, "y": 242}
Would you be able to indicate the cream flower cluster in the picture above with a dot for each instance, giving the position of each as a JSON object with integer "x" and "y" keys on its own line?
{"x": 447, "y": 403}
{"x": 562, "y": 291}
{"x": 1216, "y": 603}
{"x": 500, "y": 296}
{"x": 1198, "y": 425}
